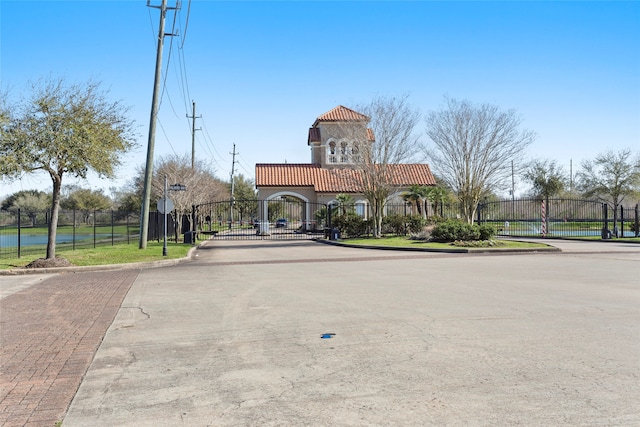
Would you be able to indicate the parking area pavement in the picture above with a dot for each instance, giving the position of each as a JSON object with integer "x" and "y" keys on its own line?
{"x": 299, "y": 333}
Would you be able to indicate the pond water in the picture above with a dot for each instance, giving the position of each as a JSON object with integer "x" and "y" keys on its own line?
{"x": 7, "y": 241}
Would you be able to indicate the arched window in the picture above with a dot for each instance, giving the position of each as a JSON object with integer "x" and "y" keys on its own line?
{"x": 332, "y": 152}
{"x": 344, "y": 152}
{"x": 355, "y": 154}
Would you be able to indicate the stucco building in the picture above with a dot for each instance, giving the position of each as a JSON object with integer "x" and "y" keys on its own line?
{"x": 332, "y": 169}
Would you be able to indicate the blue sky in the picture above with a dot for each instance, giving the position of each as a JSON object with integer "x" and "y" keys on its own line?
{"x": 261, "y": 72}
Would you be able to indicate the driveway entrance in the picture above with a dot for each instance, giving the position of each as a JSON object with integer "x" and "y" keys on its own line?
{"x": 284, "y": 218}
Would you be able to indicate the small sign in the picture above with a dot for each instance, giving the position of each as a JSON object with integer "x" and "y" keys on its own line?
{"x": 178, "y": 187}
{"x": 161, "y": 205}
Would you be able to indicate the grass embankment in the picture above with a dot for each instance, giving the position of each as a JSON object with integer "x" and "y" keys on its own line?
{"x": 106, "y": 255}
{"x": 403, "y": 242}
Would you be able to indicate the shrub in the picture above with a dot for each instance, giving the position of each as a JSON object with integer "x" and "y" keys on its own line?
{"x": 452, "y": 230}
{"x": 478, "y": 243}
{"x": 487, "y": 231}
{"x": 351, "y": 225}
{"x": 394, "y": 224}
{"x": 415, "y": 223}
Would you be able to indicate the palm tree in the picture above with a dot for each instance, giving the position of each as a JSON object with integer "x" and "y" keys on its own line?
{"x": 437, "y": 196}
{"x": 346, "y": 202}
{"x": 416, "y": 195}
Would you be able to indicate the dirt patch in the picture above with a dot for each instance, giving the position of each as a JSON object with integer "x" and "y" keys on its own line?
{"x": 49, "y": 262}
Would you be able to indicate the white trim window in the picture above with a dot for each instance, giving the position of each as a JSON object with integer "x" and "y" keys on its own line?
{"x": 331, "y": 152}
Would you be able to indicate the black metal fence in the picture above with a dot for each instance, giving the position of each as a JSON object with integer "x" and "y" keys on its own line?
{"x": 528, "y": 217}
{"x": 26, "y": 232}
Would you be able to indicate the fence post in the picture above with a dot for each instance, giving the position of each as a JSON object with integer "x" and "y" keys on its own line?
{"x": 128, "y": 241}
{"x": 605, "y": 221}
{"x": 20, "y": 235}
{"x": 637, "y": 221}
{"x": 111, "y": 227}
{"x": 73, "y": 245}
{"x": 621, "y": 221}
{"x": 94, "y": 229}
{"x": 543, "y": 217}
{"x": 194, "y": 225}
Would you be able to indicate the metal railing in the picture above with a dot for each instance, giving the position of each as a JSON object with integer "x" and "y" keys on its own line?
{"x": 26, "y": 232}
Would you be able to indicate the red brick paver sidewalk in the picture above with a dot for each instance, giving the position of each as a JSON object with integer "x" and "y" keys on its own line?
{"x": 48, "y": 337}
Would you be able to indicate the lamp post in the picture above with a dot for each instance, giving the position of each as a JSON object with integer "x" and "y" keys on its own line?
{"x": 165, "y": 205}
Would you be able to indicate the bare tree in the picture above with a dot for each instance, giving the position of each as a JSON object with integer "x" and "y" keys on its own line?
{"x": 63, "y": 129}
{"x": 473, "y": 147}
{"x": 611, "y": 177}
{"x": 389, "y": 140}
{"x": 201, "y": 184}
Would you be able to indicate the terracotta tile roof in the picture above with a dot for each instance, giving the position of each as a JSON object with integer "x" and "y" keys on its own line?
{"x": 334, "y": 180}
{"x": 314, "y": 135}
{"x": 341, "y": 114}
{"x": 370, "y": 136}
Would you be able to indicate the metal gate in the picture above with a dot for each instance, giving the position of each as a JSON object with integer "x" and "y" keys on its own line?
{"x": 554, "y": 217}
{"x": 283, "y": 218}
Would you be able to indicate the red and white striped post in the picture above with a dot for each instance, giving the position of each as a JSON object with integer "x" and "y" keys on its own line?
{"x": 543, "y": 212}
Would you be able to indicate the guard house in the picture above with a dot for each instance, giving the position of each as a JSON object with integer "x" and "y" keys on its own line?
{"x": 331, "y": 171}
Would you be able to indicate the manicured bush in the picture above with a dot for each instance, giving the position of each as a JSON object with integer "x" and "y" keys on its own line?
{"x": 351, "y": 225}
{"x": 415, "y": 223}
{"x": 452, "y": 230}
{"x": 394, "y": 224}
{"x": 487, "y": 231}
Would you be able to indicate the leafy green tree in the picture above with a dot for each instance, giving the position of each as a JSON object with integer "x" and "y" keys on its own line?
{"x": 86, "y": 201}
{"x": 244, "y": 197}
{"x": 611, "y": 176}
{"x": 547, "y": 179}
{"x": 30, "y": 202}
{"x": 473, "y": 147}
{"x": 9, "y": 202}
{"x": 64, "y": 129}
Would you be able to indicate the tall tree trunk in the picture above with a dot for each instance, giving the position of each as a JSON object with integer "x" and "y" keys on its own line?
{"x": 53, "y": 223}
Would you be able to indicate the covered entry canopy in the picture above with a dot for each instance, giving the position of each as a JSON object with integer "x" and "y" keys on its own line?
{"x": 314, "y": 183}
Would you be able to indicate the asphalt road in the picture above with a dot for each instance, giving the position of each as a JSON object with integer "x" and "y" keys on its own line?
{"x": 304, "y": 334}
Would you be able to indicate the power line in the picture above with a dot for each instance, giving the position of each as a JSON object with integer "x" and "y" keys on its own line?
{"x": 206, "y": 131}
{"x": 250, "y": 174}
{"x": 186, "y": 25}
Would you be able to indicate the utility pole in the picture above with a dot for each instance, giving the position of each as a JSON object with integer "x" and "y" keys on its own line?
{"x": 571, "y": 176}
{"x": 193, "y": 135}
{"x": 148, "y": 175}
{"x": 233, "y": 164}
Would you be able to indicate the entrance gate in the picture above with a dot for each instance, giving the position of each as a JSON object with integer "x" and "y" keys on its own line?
{"x": 284, "y": 218}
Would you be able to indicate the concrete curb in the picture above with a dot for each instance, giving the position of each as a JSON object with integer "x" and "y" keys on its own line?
{"x": 451, "y": 251}
{"x": 78, "y": 269}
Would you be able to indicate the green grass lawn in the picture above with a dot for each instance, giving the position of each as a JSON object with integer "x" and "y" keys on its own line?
{"x": 403, "y": 242}
{"x": 105, "y": 255}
